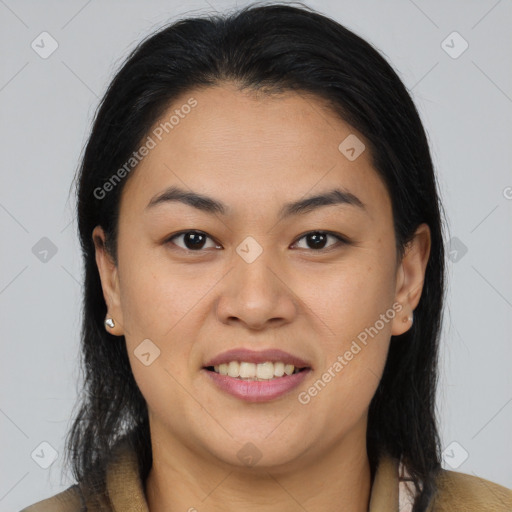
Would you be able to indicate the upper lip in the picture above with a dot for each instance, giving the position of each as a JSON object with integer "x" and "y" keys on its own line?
{"x": 261, "y": 356}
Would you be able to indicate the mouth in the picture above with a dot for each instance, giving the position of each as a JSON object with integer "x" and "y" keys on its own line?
{"x": 256, "y": 376}
{"x": 256, "y": 382}
{"x": 258, "y": 372}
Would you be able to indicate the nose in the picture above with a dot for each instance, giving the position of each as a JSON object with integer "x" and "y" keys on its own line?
{"x": 256, "y": 295}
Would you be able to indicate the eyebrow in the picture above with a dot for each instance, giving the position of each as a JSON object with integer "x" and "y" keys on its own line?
{"x": 214, "y": 206}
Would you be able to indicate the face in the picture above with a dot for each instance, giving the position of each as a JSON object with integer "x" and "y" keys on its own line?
{"x": 243, "y": 270}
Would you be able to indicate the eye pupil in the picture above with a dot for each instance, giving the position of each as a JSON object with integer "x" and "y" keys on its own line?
{"x": 318, "y": 240}
{"x": 193, "y": 240}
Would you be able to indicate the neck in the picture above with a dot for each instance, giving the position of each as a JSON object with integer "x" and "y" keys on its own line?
{"x": 183, "y": 480}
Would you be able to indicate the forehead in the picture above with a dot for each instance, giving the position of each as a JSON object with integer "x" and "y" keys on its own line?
{"x": 253, "y": 149}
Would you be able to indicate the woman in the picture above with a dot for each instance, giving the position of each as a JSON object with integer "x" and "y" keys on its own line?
{"x": 264, "y": 280}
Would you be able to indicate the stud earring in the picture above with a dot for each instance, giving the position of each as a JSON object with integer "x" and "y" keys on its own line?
{"x": 409, "y": 318}
{"x": 109, "y": 322}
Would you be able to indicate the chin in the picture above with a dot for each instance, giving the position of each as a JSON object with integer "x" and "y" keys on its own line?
{"x": 257, "y": 453}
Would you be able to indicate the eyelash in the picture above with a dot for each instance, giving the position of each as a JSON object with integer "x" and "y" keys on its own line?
{"x": 341, "y": 239}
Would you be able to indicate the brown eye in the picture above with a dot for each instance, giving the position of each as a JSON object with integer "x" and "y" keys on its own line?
{"x": 191, "y": 240}
{"x": 195, "y": 241}
{"x": 317, "y": 240}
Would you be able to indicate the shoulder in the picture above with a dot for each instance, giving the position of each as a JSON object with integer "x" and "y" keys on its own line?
{"x": 69, "y": 500}
{"x": 460, "y": 491}
{"x": 73, "y": 500}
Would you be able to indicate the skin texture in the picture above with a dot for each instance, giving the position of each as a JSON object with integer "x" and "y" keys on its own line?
{"x": 255, "y": 153}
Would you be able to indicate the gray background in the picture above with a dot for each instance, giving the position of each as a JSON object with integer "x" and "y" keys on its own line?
{"x": 46, "y": 109}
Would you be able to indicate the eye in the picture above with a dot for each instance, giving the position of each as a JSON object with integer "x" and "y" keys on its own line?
{"x": 318, "y": 239}
{"x": 195, "y": 241}
{"x": 192, "y": 240}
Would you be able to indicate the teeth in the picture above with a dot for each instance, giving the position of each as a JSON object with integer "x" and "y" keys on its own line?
{"x": 247, "y": 370}
{"x": 265, "y": 371}
{"x": 278, "y": 369}
{"x": 252, "y": 371}
{"x": 234, "y": 369}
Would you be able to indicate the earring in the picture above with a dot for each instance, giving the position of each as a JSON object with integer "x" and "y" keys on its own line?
{"x": 409, "y": 318}
{"x": 109, "y": 322}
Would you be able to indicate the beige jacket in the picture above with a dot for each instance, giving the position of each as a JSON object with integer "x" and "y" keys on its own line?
{"x": 457, "y": 492}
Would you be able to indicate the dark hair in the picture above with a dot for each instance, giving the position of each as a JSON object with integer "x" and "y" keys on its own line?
{"x": 272, "y": 48}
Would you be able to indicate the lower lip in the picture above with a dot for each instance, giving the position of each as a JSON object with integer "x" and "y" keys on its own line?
{"x": 257, "y": 390}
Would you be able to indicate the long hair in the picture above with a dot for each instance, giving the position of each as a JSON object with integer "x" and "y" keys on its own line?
{"x": 271, "y": 48}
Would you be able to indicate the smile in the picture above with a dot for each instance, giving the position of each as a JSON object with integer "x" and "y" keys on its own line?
{"x": 251, "y": 371}
{"x": 256, "y": 382}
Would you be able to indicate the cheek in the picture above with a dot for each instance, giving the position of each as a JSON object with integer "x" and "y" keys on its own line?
{"x": 156, "y": 295}
{"x": 351, "y": 370}
{"x": 354, "y": 308}
{"x": 155, "y": 304}
{"x": 361, "y": 314}
{"x": 350, "y": 298}
{"x": 163, "y": 303}
{"x": 345, "y": 389}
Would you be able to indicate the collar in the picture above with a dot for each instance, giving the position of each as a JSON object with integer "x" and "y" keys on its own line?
{"x": 389, "y": 491}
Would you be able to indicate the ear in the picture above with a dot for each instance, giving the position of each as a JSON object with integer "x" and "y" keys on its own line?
{"x": 410, "y": 278}
{"x": 109, "y": 281}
